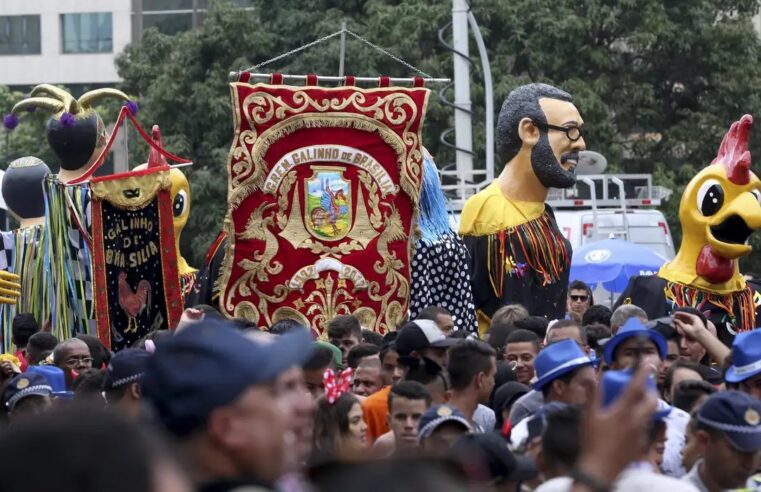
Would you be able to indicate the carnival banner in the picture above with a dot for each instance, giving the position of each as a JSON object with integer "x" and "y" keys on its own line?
{"x": 137, "y": 287}
{"x": 324, "y": 186}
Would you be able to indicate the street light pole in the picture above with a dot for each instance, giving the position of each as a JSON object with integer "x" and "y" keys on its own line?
{"x": 462, "y": 114}
{"x": 342, "y": 53}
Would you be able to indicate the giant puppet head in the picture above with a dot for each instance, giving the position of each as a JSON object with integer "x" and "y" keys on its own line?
{"x": 22, "y": 189}
{"x": 541, "y": 122}
{"x": 75, "y": 132}
{"x": 719, "y": 211}
{"x": 180, "y": 199}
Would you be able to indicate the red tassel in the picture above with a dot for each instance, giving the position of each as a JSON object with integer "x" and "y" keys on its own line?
{"x": 507, "y": 428}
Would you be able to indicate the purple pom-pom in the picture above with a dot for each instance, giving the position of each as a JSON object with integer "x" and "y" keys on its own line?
{"x": 10, "y": 121}
{"x": 67, "y": 119}
{"x": 132, "y": 107}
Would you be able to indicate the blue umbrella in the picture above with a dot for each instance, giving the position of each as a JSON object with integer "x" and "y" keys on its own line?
{"x": 612, "y": 262}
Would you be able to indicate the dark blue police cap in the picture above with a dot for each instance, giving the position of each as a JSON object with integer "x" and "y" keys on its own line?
{"x": 735, "y": 414}
{"x": 25, "y": 385}
{"x": 126, "y": 366}
{"x": 211, "y": 363}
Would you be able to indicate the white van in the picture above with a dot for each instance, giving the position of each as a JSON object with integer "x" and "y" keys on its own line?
{"x": 647, "y": 227}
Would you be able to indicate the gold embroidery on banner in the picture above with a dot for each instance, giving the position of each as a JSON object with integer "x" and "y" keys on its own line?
{"x": 282, "y": 313}
{"x": 396, "y": 108}
{"x": 132, "y": 192}
{"x": 294, "y": 231}
{"x": 255, "y": 181}
{"x": 394, "y": 315}
{"x": 260, "y": 268}
{"x": 396, "y": 282}
{"x": 244, "y": 165}
{"x": 282, "y": 201}
{"x": 336, "y": 155}
{"x": 239, "y": 162}
{"x": 247, "y": 310}
{"x": 366, "y": 316}
{"x": 362, "y": 232}
{"x": 325, "y": 303}
{"x": 312, "y": 272}
{"x": 372, "y": 198}
{"x": 342, "y": 249}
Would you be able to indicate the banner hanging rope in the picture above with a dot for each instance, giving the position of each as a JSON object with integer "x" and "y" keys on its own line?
{"x": 429, "y": 78}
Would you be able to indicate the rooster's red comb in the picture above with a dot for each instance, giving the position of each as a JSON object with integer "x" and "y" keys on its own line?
{"x": 155, "y": 158}
{"x": 733, "y": 152}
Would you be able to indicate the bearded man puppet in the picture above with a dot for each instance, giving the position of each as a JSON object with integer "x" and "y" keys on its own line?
{"x": 517, "y": 253}
{"x": 718, "y": 212}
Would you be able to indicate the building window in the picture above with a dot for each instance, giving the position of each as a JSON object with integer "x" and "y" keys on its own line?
{"x": 87, "y": 33}
{"x": 160, "y": 5}
{"x": 168, "y": 23}
{"x": 20, "y": 35}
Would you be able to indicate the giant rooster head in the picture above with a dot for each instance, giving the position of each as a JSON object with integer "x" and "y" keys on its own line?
{"x": 719, "y": 211}
{"x": 75, "y": 131}
{"x": 180, "y": 197}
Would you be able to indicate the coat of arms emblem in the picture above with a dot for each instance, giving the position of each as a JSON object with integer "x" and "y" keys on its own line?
{"x": 328, "y": 204}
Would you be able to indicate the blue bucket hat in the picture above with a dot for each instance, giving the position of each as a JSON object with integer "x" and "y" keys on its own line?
{"x": 614, "y": 383}
{"x": 557, "y": 360}
{"x": 634, "y": 328}
{"x": 735, "y": 414}
{"x": 56, "y": 379}
{"x": 746, "y": 357}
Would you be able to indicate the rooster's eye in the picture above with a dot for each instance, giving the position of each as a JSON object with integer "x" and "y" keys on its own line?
{"x": 756, "y": 195}
{"x": 180, "y": 204}
{"x": 710, "y": 197}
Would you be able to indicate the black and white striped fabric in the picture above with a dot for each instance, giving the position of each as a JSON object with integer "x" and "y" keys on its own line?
{"x": 6, "y": 250}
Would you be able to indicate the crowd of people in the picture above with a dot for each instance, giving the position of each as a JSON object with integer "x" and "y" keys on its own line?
{"x": 600, "y": 400}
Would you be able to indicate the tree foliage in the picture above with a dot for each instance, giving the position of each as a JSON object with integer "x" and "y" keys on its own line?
{"x": 658, "y": 82}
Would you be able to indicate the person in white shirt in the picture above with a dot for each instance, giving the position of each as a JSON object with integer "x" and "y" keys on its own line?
{"x": 565, "y": 373}
{"x": 635, "y": 342}
{"x": 638, "y": 476}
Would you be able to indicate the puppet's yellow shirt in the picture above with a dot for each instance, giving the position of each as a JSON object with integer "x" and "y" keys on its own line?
{"x": 489, "y": 211}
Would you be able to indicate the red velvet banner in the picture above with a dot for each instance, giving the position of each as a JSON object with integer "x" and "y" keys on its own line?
{"x": 323, "y": 190}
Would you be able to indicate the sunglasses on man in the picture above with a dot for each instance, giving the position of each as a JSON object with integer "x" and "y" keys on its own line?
{"x": 579, "y": 298}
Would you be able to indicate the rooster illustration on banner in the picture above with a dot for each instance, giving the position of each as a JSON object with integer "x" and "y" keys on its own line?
{"x": 134, "y": 303}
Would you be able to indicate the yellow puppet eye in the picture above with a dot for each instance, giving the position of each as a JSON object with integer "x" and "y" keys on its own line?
{"x": 757, "y": 194}
{"x": 710, "y": 197}
{"x": 180, "y": 204}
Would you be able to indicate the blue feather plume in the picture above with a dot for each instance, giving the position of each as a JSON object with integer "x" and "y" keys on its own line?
{"x": 434, "y": 208}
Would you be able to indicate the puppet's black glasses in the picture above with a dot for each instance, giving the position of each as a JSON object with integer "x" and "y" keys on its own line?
{"x": 574, "y": 133}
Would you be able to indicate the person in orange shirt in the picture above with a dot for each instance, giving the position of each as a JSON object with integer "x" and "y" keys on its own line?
{"x": 415, "y": 340}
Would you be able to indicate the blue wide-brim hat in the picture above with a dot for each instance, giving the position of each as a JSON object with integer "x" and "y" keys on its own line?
{"x": 614, "y": 383}
{"x": 634, "y": 328}
{"x": 746, "y": 357}
{"x": 557, "y": 360}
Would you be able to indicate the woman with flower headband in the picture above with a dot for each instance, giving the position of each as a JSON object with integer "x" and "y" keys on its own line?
{"x": 340, "y": 431}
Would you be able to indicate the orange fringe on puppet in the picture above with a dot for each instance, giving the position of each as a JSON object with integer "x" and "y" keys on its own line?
{"x": 538, "y": 241}
{"x": 739, "y": 305}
